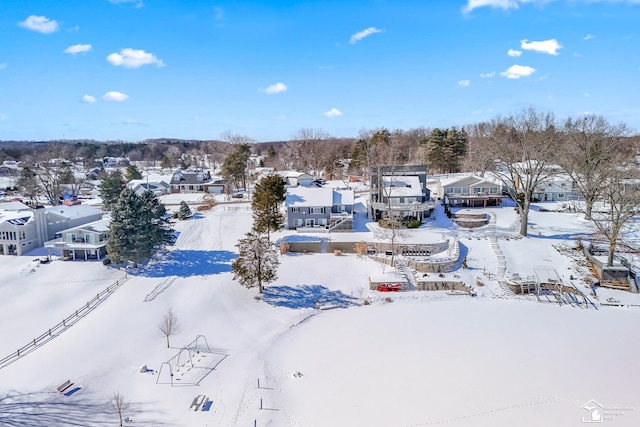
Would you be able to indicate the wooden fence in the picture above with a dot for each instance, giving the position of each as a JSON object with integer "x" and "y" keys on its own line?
{"x": 62, "y": 326}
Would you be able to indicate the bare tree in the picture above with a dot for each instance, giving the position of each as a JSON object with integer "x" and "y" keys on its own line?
{"x": 524, "y": 144}
{"x": 621, "y": 194}
{"x": 313, "y": 148}
{"x": 119, "y": 405}
{"x": 592, "y": 147}
{"x": 169, "y": 325}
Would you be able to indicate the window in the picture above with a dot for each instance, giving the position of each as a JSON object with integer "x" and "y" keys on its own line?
{"x": 560, "y": 195}
{"x": 295, "y": 210}
{"x": 317, "y": 210}
{"x": 297, "y": 223}
{"x": 493, "y": 190}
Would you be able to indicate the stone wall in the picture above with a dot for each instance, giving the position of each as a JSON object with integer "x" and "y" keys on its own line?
{"x": 304, "y": 246}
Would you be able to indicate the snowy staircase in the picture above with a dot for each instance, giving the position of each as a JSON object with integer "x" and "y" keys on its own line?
{"x": 502, "y": 261}
{"x": 407, "y": 273}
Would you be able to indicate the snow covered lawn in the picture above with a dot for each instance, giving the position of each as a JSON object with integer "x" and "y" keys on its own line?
{"x": 421, "y": 358}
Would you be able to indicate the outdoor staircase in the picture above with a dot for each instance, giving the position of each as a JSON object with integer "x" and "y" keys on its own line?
{"x": 407, "y": 273}
{"x": 337, "y": 225}
{"x": 502, "y": 261}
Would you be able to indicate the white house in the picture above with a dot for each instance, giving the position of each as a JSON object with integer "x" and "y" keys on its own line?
{"x": 18, "y": 232}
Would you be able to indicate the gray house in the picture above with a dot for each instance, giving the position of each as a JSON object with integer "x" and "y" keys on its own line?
{"x": 85, "y": 242}
{"x": 325, "y": 209}
{"x": 400, "y": 191}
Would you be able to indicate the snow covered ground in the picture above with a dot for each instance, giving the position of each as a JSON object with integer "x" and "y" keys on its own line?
{"x": 416, "y": 359}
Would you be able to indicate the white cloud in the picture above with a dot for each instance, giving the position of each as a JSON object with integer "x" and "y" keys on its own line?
{"x": 139, "y": 3}
{"x": 41, "y": 24}
{"x": 488, "y": 75}
{"x": 364, "y": 33}
{"x": 89, "y": 99}
{"x": 517, "y": 71}
{"x": 464, "y": 83}
{"x": 589, "y": 37}
{"x": 115, "y": 96}
{"x": 3, "y": 117}
{"x": 497, "y": 4}
{"x": 3, "y": 66}
{"x": 334, "y": 112}
{"x": 275, "y": 88}
{"x": 134, "y": 122}
{"x": 134, "y": 58}
{"x": 550, "y": 46}
{"x": 78, "y": 48}
{"x": 514, "y": 52}
{"x": 74, "y": 29}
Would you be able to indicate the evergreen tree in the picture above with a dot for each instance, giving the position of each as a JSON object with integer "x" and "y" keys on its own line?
{"x": 110, "y": 189}
{"x": 132, "y": 172}
{"x": 138, "y": 228}
{"x": 235, "y": 165}
{"x": 184, "y": 211}
{"x": 445, "y": 149}
{"x": 269, "y": 193}
{"x": 257, "y": 263}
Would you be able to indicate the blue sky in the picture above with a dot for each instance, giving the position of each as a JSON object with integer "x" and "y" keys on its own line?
{"x": 137, "y": 69}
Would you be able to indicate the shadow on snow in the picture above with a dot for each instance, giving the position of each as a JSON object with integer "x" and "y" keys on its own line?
{"x": 49, "y": 409}
{"x": 306, "y": 296}
{"x": 186, "y": 263}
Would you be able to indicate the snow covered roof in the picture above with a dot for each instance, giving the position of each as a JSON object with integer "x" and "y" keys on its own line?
{"x": 343, "y": 197}
{"x": 99, "y": 226}
{"x": 309, "y": 196}
{"x": 73, "y": 211}
{"x": 471, "y": 181}
{"x": 402, "y": 186}
{"x": 13, "y": 206}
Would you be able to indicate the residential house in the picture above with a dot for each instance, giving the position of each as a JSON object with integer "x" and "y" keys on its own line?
{"x": 292, "y": 178}
{"x": 51, "y": 221}
{"x": 18, "y": 232}
{"x": 196, "y": 181}
{"x": 85, "y": 242}
{"x": 473, "y": 191}
{"x": 555, "y": 188}
{"x": 23, "y": 229}
{"x": 9, "y": 168}
{"x": 400, "y": 191}
{"x": 140, "y": 186}
{"x": 319, "y": 208}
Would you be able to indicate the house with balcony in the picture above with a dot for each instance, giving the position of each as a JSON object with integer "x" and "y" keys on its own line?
{"x": 319, "y": 209}
{"x": 400, "y": 191}
{"x": 18, "y": 231}
{"x": 473, "y": 191}
{"x": 85, "y": 242}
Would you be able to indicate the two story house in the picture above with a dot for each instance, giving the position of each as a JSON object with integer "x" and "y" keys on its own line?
{"x": 85, "y": 242}
{"x": 18, "y": 231}
{"x": 326, "y": 209}
{"x": 473, "y": 191}
{"x": 400, "y": 191}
